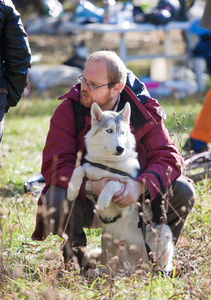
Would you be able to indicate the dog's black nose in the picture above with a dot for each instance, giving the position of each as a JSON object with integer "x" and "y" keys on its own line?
{"x": 119, "y": 150}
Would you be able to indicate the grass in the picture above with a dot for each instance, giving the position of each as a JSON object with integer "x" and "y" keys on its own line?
{"x": 34, "y": 270}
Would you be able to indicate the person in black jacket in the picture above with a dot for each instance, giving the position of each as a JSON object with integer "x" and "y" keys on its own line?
{"x": 15, "y": 57}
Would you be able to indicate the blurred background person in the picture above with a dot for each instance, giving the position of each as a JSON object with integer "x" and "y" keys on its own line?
{"x": 15, "y": 56}
{"x": 200, "y": 136}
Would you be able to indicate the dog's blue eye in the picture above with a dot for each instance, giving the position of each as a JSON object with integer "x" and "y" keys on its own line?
{"x": 109, "y": 130}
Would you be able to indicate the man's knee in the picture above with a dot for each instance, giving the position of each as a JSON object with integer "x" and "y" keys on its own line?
{"x": 183, "y": 194}
{"x": 180, "y": 203}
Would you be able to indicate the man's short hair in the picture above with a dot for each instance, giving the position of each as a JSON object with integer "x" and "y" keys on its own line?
{"x": 117, "y": 71}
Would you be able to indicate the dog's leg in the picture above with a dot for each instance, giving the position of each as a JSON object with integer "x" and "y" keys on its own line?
{"x": 75, "y": 183}
{"x": 107, "y": 194}
{"x": 166, "y": 248}
{"x": 160, "y": 240}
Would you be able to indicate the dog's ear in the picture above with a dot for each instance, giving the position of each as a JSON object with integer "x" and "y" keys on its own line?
{"x": 96, "y": 113}
{"x": 126, "y": 112}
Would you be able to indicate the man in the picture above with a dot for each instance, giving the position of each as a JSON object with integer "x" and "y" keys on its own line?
{"x": 104, "y": 82}
{"x": 15, "y": 56}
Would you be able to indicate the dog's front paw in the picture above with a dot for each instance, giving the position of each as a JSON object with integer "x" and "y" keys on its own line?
{"x": 103, "y": 202}
{"x": 72, "y": 192}
{"x": 75, "y": 183}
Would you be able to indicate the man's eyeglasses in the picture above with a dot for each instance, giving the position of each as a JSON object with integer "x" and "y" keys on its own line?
{"x": 91, "y": 86}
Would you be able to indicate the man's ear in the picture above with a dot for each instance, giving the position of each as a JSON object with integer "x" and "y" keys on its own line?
{"x": 96, "y": 114}
{"x": 117, "y": 87}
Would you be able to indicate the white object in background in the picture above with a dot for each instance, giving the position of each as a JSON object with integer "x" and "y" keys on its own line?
{"x": 159, "y": 70}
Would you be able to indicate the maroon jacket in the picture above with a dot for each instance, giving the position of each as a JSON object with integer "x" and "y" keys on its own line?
{"x": 156, "y": 152}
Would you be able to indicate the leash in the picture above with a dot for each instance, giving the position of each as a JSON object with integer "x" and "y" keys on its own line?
{"x": 142, "y": 225}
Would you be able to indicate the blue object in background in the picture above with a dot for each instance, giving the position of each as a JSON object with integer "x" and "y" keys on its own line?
{"x": 196, "y": 29}
{"x": 86, "y": 12}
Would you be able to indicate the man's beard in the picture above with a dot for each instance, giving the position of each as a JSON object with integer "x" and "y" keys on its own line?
{"x": 87, "y": 102}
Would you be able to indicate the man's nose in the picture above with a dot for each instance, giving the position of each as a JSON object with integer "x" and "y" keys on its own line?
{"x": 86, "y": 86}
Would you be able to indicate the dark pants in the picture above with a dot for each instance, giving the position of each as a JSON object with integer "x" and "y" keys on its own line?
{"x": 60, "y": 218}
{"x": 69, "y": 217}
{"x": 178, "y": 206}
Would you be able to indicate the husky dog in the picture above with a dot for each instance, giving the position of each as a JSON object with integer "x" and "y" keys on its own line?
{"x": 111, "y": 153}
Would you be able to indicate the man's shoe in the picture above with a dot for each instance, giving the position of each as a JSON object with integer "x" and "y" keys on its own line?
{"x": 195, "y": 145}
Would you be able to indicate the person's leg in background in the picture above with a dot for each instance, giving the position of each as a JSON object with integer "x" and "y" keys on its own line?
{"x": 3, "y": 104}
{"x": 200, "y": 136}
{"x": 1, "y": 131}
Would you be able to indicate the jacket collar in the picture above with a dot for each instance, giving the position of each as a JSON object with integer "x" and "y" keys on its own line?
{"x": 73, "y": 93}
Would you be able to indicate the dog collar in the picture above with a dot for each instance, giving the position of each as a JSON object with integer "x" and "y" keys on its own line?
{"x": 109, "y": 220}
{"x": 112, "y": 170}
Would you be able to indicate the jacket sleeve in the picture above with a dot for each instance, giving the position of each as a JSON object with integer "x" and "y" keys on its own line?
{"x": 60, "y": 151}
{"x": 165, "y": 163}
{"x": 59, "y": 154}
{"x": 16, "y": 55}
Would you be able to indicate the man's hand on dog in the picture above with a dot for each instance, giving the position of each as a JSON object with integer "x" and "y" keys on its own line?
{"x": 98, "y": 185}
{"x": 128, "y": 194}
{"x": 132, "y": 191}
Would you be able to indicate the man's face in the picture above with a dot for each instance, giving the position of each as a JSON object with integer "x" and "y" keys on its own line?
{"x": 95, "y": 73}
